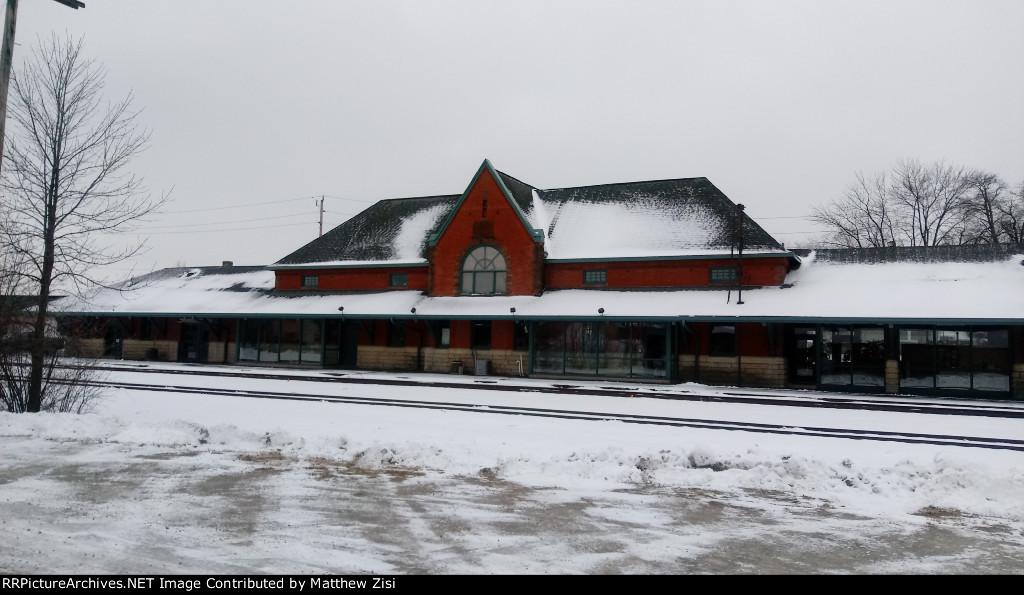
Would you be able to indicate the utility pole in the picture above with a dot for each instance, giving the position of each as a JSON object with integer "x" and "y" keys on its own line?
{"x": 739, "y": 269}
{"x": 321, "y": 217}
{"x": 6, "y": 58}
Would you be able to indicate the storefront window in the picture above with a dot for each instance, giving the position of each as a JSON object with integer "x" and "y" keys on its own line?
{"x": 612, "y": 349}
{"x": 249, "y": 340}
{"x": 312, "y": 341}
{"x": 270, "y": 340}
{"x": 955, "y": 359}
{"x": 917, "y": 358}
{"x": 289, "y": 340}
{"x": 991, "y": 360}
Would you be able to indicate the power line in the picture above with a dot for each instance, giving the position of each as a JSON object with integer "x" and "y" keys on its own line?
{"x": 231, "y": 221}
{"x": 227, "y": 230}
{"x": 271, "y": 202}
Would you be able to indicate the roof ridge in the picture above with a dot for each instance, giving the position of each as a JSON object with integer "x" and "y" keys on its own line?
{"x": 625, "y": 183}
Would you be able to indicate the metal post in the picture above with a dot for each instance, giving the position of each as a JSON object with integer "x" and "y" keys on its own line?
{"x": 739, "y": 271}
{"x": 6, "y": 56}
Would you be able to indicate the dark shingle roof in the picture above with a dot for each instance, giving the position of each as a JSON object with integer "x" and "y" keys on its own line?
{"x": 371, "y": 235}
{"x": 663, "y": 215}
{"x": 655, "y": 218}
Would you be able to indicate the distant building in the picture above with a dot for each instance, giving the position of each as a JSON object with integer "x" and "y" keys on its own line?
{"x": 657, "y": 281}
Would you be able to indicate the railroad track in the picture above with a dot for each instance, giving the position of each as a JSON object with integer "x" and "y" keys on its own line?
{"x": 875, "y": 435}
{"x": 874, "y": 403}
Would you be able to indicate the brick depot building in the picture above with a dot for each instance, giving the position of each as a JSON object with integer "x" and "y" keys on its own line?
{"x": 662, "y": 281}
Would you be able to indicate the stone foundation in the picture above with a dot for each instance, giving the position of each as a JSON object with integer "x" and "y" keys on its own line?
{"x": 767, "y": 372}
{"x": 503, "y": 362}
{"x": 892, "y": 376}
{"x": 86, "y": 348}
{"x": 167, "y": 351}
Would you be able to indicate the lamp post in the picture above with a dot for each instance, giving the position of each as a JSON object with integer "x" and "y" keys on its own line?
{"x": 6, "y": 56}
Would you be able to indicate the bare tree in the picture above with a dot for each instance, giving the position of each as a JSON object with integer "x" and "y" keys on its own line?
{"x": 1011, "y": 216}
{"x": 921, "y": 205}
{"x": 983, "y": 204}
{"x": 933, "y": 201}
{"x": 863, "y": 217}
{"x": 68, "y": 193}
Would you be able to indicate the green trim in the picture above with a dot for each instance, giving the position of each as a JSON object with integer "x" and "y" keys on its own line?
{"x": 536, "y": 234}
{"x": 463, "y": 271}
{"x": 368, "y": 265}
{"x": 519, "y": 316}
{"x": 722, "y": 256}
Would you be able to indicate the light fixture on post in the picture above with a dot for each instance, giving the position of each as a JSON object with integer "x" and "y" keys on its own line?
{"x": 600, "y": 311}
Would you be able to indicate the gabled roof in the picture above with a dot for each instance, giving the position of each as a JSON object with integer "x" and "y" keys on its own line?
{"x": 686, "y": 217}
{"x": 518, "y": 199}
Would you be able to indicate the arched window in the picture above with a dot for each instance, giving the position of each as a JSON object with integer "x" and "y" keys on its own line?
{"x": 483, "y": 272}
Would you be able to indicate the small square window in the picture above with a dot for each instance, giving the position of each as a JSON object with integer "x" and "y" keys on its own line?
{"x": 399, "y": 280}
{"x": 595, "y": 277}
{"x": 722, "y": 275}
{"x": 311, "y": 280}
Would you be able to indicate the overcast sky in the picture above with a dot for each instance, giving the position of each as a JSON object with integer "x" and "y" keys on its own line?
{"x": 258, "y": 106}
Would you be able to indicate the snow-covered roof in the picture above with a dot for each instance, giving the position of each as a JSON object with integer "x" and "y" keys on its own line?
{"x": 683, "y": 217}
{"x": 819, "y": 289}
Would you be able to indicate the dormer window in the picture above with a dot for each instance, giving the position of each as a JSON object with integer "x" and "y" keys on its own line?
{"x": 483, "y": 272}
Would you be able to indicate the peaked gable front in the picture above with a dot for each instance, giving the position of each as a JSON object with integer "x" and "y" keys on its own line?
{"x": 486, "y": 231}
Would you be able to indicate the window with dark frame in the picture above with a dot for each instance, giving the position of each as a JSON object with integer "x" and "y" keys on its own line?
{"x": 396, "y": 334}
{"x": 521, "y": 336}
{"x": 147, "y": 331}
{"x": 595, "y": 277}
{"x": 445, "y": 335}
{"x": 399, "y": 280}
{"x": 723, "y": 340}
{"x": 311, "y": 280}
{"x": 722, "y": 275}
{"x": 480, "y": 334}
{"x": 483, "y": 272}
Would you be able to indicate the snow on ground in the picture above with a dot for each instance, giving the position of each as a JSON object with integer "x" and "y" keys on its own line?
{"x": 618, "y": 476}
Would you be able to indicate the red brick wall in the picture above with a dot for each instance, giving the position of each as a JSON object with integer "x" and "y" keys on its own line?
{"x": 502, "y": 334}
{"x": 356, "y": 278}
{"x": 460, "y": 334}
{"x": 752, "y": 338}
{"x": 663, "y": 273}
{"x": 502, "y": 229}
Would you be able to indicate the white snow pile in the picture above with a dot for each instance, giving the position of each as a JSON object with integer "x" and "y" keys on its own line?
{"x": 860, "y": 476}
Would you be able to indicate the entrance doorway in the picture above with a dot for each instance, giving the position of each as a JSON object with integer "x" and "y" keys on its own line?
{"x": 803, "y": 356}
{"x": 341, "y": 344}
{"x": 112, "y": 344}
{"x": 194, "y": 344}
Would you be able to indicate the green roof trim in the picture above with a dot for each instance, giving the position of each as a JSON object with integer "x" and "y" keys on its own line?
{"x": 722, "y": 256}
{"x": 536, "y": 234}
{"x": 312, "y": 266}
{"x": 1011, "y": 322}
